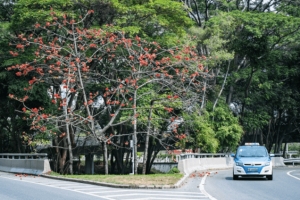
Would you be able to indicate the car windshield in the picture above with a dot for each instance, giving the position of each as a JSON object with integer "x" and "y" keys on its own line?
{"x": 252, "y": 151}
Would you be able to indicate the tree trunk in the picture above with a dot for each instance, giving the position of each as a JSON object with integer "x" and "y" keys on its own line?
{"x": 70, "y": 150}
{"x": 69, "y": 142}
{"x": 147, "y": 139}
{"x": 55, "y": 155}
{"x": 229, "y": 96}
{"x": 247, "y": 90}
{"x": 63, "y": 156}
{"x": 119, "y": 159}
{"x": 284, "y": 150}
{"x": 127, "y": 160}
{"x": 134, "y": 133}
{"x": 112, "y": 162}
{"x": 223, "y": 85}
{"x": 151, "y": 159}
{"x": 120, "y": 154}
{"x": 153, "y": 151}
{"x": 105, "y": 158}
{"x": 204, "y": 95}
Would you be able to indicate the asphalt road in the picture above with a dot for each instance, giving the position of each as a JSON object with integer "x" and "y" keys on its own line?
{"x": 284, "y": 186}
{"x": 14, "y": 187}
{"x": 218, "y": 185}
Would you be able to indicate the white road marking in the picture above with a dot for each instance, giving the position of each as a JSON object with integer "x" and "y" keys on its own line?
{"x": 164, "y": 191}
{"x": 159, "y": 198}
{"x": 61, "y": 185}
{"x": 168, "y": 195}
{"x": 109, "y": 191}
{"x": 78, "y": 187}
{"x": 202, "y": 190}
{"x": 289, "y": 173}
{"x": 87, "y": 193}
{"x": 52, "y": 183}
{"x": 91, "y": 188}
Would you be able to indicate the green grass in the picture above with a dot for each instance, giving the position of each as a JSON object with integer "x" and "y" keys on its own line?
{"x": 151, "y": 179}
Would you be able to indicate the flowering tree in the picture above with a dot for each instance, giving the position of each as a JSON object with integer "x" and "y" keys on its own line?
{"x": 67, "y": 64}
{"x": 92, "y": 73}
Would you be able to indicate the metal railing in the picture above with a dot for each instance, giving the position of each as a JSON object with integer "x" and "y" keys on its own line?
{"x": 203, "y": 155}
{"x": 291, "y": 161}
{"x": 23, "y": 156}
{"x": 210, "y": 155}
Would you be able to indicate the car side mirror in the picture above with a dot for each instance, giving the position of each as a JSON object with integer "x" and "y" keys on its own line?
{"x": 232, "y": 155}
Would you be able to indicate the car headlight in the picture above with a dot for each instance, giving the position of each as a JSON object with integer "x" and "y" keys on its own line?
{"x": 267, "y": 163}
{"x": 239, "y": 164}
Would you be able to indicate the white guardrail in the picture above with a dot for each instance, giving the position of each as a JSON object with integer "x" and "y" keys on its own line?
{"x": 191, "y": 162}
{"x": 292, "y": 161}
{"x": 24, "y": 163}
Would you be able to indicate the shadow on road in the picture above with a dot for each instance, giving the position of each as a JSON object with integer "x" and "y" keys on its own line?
{"x": 248, "y": 179}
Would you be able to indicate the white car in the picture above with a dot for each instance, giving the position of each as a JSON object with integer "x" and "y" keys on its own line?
{"x": 252, "y": 160}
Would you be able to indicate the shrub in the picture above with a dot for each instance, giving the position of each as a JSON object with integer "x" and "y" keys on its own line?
{"x": 174, "y": 170}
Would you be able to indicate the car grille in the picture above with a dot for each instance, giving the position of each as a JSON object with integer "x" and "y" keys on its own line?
{"x": 252, "y": 164}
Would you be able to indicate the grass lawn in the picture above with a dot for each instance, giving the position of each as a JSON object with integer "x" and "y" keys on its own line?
{"x": 151, "y": 179}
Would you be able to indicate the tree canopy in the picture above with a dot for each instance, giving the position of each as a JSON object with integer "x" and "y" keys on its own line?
{"x": 167, "y": 74}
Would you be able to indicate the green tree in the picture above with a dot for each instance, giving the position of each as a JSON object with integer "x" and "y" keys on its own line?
{"x": 164, "y": 21}
{"x": 227, "y": 128}
{"x": 26, "y": 13}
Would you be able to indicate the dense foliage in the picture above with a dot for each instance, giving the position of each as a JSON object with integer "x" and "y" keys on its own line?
{"x": 167, "y": 74}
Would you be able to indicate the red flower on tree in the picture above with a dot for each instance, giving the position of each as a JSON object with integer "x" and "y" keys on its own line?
{"x": 35, "y": 110}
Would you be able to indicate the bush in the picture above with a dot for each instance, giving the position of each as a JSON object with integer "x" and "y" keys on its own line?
{"x": 174, "y": 170}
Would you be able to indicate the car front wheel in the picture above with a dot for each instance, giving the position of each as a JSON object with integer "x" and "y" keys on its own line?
{"x": 270, "y": 177}
{"x": 235, "y": 177}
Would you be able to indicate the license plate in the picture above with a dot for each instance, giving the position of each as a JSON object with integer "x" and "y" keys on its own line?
{"x": 252, "y": 169}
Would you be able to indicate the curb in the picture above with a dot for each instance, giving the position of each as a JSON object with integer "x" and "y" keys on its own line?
{"x": 177, "y": 185}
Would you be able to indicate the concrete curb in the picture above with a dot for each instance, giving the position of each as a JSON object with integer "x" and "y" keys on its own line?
{"x": 181, "y": 181}
{"x": 177, "y": 185}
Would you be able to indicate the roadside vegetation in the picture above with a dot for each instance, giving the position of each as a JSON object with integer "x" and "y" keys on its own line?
{"x": 138, "y": 77}
{"x": 156, "y": 178}
{"x": 134, "y": 180}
